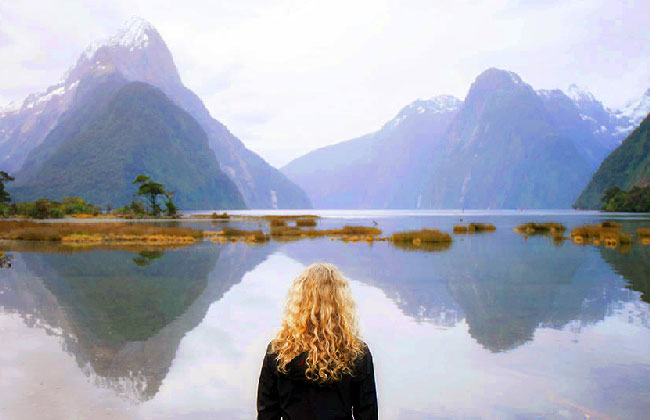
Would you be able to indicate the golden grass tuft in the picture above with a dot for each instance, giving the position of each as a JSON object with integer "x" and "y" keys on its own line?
{"x": 98, "y": 239}
{"x": 306, "y": 222}
{"x": 532, "y": 228}
{"x": 277, "y": 223}
{"x": 423, "y": 236}
{"x": 607, "y": 233}
{"x": 474, "y": 228}
{"x": 289, "y": 231}
{"x": 460, "y": 229}
{"x": 236, "y": 235}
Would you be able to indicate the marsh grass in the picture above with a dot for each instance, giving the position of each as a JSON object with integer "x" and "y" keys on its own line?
{"x": 306, "y": 222}
{"x": 237, "y": 235}
{"x": 419, "y": 237}
{"x": 474, "y": 228}
{"x": 541, "y": 228}
{"x": 277, "y": 223}
{"x": 607, "y": 233}
{"x": 95, "y": 233}
{"x": 346, "y": 230}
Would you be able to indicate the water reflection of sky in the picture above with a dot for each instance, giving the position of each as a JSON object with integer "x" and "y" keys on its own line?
{"x": 579, "y": 347}
{"x": 424, "y": 371}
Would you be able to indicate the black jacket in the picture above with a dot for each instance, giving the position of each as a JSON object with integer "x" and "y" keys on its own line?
{"x": 292, "y": 396}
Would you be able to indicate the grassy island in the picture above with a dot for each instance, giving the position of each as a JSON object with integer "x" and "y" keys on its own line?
{"x": 474, "y": 228}
{"x": 606, "y": 233}
{"x": 98, "y": 233}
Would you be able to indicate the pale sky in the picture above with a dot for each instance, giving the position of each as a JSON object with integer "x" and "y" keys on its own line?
{"x": 287, "y": 77}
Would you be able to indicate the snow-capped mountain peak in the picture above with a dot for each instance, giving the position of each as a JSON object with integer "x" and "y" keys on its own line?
{"x": 579, "y": 94}
{"x": 134, "y": 33}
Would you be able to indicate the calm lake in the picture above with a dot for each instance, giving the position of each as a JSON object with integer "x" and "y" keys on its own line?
{"x": 495, "y": 326}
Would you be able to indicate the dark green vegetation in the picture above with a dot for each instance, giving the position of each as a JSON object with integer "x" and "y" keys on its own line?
{"x": 626, "y": 167}
{"x": 150, "y": 190}
{"x": 5, "y": 198}
{"x": 636, "y": 200}
{"x": 97, "y": 150}
{"x": 47, "y": 209}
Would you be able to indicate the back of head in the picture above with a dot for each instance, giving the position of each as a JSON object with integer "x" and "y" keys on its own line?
{"x": 319, "y": 319}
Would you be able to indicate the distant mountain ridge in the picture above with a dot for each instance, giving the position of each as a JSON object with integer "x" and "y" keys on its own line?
{"x": 138, "y": 53}
{"x": 378, "y": 170}
{"x": 505, "y": 146}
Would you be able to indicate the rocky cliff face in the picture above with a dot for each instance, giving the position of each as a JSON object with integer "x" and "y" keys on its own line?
{"x": 503, "y": 151}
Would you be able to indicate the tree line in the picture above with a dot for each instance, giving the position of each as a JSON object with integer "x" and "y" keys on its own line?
{"x": 636, "y": 200}
{"x": 150, "y": 199}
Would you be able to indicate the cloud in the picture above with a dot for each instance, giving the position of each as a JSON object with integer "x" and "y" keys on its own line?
{"x": 323, "y": 72}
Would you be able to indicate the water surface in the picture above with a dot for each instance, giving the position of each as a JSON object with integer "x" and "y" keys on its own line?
{"x": 495, "y": 326}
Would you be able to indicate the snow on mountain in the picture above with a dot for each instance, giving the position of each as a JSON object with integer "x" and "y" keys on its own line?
{"x": 437, "y": 105}
{"x": 580, "y": 94}
{"x": 615, "y": 124}
{"x": 132, "y": 34}
{"x": 634, "y": 112}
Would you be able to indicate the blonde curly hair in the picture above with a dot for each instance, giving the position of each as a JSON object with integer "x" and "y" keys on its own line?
{"x": 320, "y": 319}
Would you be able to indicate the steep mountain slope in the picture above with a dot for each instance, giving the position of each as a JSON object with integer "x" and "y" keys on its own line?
{"x": 568, "y": 120}
{"x": 139, "y": 53}
{"x": 111, "y": 139}
{"x": 625, "y": 167}
{"x": 503, "y": 151}
{"x": 24, "y": 127}
{"x": 379, "y": 170}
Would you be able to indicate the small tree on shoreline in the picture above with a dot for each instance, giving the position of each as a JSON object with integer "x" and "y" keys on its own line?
{"x": 150, "y": 190}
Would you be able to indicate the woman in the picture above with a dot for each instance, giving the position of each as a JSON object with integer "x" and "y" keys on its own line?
{"x": 317, "y": 367}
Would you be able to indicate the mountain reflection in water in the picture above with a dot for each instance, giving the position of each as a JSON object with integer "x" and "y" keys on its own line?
{"x": 123, "y": 320}
{"x": 504, "y": 292}
{"x": 125, "y": 314}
